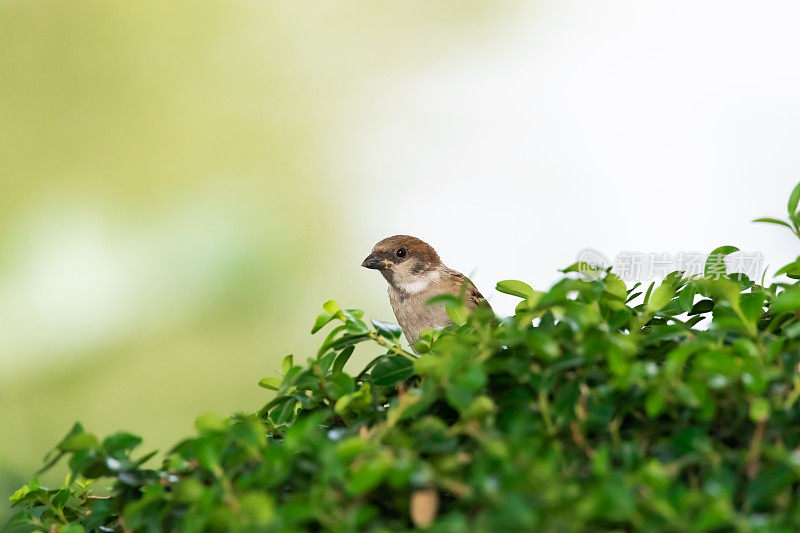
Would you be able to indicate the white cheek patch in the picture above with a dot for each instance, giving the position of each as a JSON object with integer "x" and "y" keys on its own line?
{"x": 420, "y": 283}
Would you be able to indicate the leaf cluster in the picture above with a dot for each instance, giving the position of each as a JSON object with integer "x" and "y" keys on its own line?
{"x": 594, "y": 407}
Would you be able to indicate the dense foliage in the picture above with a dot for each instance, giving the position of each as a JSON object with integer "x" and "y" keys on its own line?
{"x": 593, "y": 407}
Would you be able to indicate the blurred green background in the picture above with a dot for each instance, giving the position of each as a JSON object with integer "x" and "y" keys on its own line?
{"x": 172, "y": 213}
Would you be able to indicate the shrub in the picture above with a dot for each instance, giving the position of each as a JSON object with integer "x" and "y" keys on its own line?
{"x": 582, "y": 411}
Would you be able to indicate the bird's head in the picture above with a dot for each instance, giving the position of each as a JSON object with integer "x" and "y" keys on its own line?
{"x": 403, "y": 259}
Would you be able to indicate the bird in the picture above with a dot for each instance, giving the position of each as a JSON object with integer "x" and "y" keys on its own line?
{"x": 415, "y": 273}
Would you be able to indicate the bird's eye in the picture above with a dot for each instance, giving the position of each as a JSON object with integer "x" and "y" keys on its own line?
{"x": 401, "y": 252}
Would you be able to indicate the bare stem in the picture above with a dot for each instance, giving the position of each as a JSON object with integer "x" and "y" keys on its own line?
{"x": 754, "y": 452}
{"x": 391, "y": 347}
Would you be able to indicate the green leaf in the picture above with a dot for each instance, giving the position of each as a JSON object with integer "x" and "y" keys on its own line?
{"x": 322, "y": 320}
{"x": 648, "y": 292}
{"x": 78, "y": 441}
{"x": 257, "y": 508}
{"x": 284, "y": 410}
{"x": 759, "y": 410}
{"x": 357, "y": 314}
{"x": 660, "y": 297}
{"x": 329, "y": 339}
{"x": 391, "y": 369}
{"x": 368, "y": 476}
{"x": 287, "y": 364}
{"x": 121, "y": 441}
{"x": 146, "y": 457}
{"x": 585, "y": 269}
{"x": 332, "y": 307}
{"x": 271, "y": 383}
{"x": 792, "y": 331}
{"x": 776, "y": 221}
{"x": 188, "y": 490}
{"x": 787, "y": 302}
{"x": 23, "y": 491}
{"x": 354, "y": 325}
{"x": 715, "y": 263}
{"x": 457, "y": 313}
{"x": 444, "y": 299}
{"x": 686, "y": 297}
{"x": 723, "y": 289}
{"x": 459, "y": 397}
{"x": 348, "y": 340}
{"x": 342, "y": 358}
{"x": 211, "y": 422}
{"x": 794, "y": 198}
{"x": 676, "y": 360}
{"x": 324, "y": 362}
{"x": 654, "y": 403}
{"x": 515, "y": 288}
{"x": 341, "y": 384}
{"x": 60, "y": 498}
{"x": 71, "y": 528}
{"x": 615, "y": 286}
{"x": 387, "y": 329}
{"x": 207, "y": 453}
{"x": 479, "y": 408}
{"x": 752, "y": 306}
{"x": 792, "y": 269}
{"x": 472, "y": 378}
{"x": 703, "y": 306}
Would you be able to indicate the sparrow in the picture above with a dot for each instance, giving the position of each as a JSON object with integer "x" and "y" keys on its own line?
{"x": 415, "y": 274}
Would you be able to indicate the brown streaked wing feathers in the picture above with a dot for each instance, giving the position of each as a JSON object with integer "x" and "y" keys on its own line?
{"x": 473, "y": 297}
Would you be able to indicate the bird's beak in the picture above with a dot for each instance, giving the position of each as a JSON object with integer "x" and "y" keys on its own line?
{"x": 373, "y": 261}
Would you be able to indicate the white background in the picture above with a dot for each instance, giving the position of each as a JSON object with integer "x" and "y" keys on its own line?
{"x": 646, "y": 126}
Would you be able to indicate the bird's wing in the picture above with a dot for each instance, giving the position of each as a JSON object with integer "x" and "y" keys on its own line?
{"x": 472, "y": 297}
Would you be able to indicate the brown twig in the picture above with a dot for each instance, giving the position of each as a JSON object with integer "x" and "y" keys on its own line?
{"x": 754, "y": 453}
